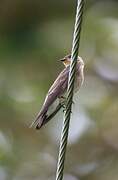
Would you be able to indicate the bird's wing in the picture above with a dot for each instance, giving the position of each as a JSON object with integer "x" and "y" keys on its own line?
{"x": 57, "y": 89}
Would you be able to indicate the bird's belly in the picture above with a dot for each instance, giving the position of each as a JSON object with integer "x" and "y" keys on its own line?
{"x": 78, "y": 83}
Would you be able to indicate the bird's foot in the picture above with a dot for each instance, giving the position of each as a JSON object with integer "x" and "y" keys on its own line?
{"x": 62, "y": 101}
{"x": 64, "y": 108}
{"x": 63, "y": 104}
{"x": 62, "y": 98}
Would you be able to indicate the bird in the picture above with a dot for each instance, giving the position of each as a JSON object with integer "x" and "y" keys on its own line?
{"x": 57, "y": 92}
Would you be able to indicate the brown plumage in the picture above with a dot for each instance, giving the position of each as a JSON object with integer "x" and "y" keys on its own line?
{"x": 58, "y": 90}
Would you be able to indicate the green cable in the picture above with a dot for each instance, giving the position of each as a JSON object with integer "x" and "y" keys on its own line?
{"x": 67, "y": 114}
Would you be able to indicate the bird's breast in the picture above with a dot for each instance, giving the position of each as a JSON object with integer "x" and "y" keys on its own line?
{"x": 79, "y": 78}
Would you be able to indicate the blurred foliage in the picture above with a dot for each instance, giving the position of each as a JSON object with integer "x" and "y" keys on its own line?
{"x": 33, "y": 36}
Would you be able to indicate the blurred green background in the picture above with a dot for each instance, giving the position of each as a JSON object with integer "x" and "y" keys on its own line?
{"x": 33, "y": 36}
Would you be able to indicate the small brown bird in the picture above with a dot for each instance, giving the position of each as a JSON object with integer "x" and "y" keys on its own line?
{"x": 58, "y": 91}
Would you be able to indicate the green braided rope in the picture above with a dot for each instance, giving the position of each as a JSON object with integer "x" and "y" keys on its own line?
{"x": 67, "y": 114}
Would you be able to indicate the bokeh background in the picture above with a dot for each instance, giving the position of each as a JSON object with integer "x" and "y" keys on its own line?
{"x": 34, "y": 34}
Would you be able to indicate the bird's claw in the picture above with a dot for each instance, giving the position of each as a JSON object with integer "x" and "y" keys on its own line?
{"x": 63, "y": 102}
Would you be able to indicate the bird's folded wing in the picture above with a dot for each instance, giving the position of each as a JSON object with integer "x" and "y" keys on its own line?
{"x": 57, "y": 89}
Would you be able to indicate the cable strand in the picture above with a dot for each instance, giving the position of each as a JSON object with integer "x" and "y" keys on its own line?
{"x": 67, "y": 113}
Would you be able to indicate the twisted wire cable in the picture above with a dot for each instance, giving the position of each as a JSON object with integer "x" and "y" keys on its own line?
{"x": 67, "y": 114}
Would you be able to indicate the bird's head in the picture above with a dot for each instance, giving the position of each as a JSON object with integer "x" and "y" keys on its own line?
{"x": 67, "y": 60}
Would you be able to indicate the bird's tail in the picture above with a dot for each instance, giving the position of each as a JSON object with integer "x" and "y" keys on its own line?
{"x": 48, "y": 118}
{"x": 39, "y": 121}
{"x": 43, "y": 118}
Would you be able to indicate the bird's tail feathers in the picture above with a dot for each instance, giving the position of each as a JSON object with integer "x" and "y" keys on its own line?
{"x": 48, "y": 118}
{"x": 43, "y": 118}
{"x": 39, "y": 121}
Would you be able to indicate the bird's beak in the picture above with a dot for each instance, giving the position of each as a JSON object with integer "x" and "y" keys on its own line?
{"x": 62, "y": 59}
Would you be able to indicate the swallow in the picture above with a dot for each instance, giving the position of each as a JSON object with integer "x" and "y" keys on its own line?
{"x": 57, "y": 92}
